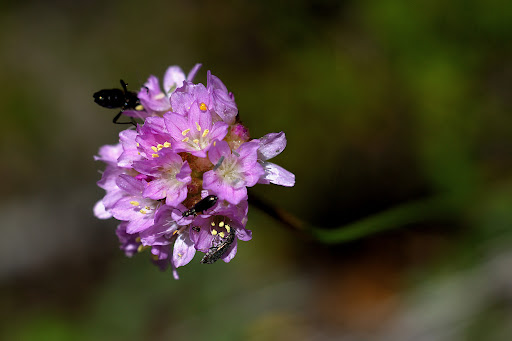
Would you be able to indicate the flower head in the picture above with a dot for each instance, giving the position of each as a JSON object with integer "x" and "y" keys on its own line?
{"x": 189, "y": 147}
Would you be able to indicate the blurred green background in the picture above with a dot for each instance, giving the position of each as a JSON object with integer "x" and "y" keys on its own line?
{"x": 384, "y": 104}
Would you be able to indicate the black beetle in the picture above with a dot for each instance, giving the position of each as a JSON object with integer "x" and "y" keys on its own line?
{"x": 216, "y": 252}
{"x": 205, "y": 203}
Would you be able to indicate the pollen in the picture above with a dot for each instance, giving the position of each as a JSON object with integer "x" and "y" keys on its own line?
{"x": 214, "y": 232}
{"x": 134, "y": 203}
{"x": 167, "y": 144}
{"x": 155, "y": 149}
{"x": 203, "y": 107}
{"x": 213, "y": 223}
{"x": 159, "y": 146}
{"x": 180, "y": 255}
{"x": 227, "y": 227}
{"x": 143, "y": 211}
{"x": 196, "y": 141}
{"x": 222, "y": 234}
{"x": 221, "y": 224}
{"x": 159, "y": 96}
{"x": 139, "y": 107}
{"x": 185, "y": 139}
{"x": 137, "y": 144}
{"x": 205, "y": 132}
{"x": 155, "y": 155}
{"x": 198, "y": 127}
{"x": 185, "y": 132}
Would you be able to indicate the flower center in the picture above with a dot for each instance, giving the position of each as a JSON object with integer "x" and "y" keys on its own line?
{"x": 159, "y": 147}
{"x": 196, "y": 140}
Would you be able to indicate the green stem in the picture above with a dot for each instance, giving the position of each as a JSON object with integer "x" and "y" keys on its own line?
{"x": 396, "y": 217}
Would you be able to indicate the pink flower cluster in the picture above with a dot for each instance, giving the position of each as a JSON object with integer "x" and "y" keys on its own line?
{"x": 190, "y": 146}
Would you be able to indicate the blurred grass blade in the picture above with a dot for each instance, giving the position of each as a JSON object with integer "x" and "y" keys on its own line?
{"x": 397, "y": 217}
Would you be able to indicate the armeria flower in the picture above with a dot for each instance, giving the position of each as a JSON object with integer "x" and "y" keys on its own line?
{"x": 217, "y": 235}
{"x": 152, "y": 137}
{"x": 170, "y": 177}
{"x": 223, "y": 101}
{"x": 190, "y": 146}
{"x": 184, "y": 249}
{"x": 133, "y": 206}
{"x": 130, "y": 243}
{"x": 163, "y": 230}
{"x": 151, "y": 96}
{"x": 184, "y": 96}
{"x": 196, "y": 132}
{"x": 234, "y": 171}
{"x": 109, "y": 154}
{"x": 130, "y": 152}
{"x": 272, "y": 145}
{"x": 162, "y": 258}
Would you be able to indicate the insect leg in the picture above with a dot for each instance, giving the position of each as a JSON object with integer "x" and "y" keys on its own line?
{"x": 124, "y": 85}
{"x": 116, "y": 118}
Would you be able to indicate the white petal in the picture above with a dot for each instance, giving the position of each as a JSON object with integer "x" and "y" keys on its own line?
{"x": 100, "y": 212}
{"x": 271, "y": 145}
{"x": 277, "y": 175}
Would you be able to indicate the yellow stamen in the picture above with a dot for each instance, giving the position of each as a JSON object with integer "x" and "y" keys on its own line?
{"x": 222, "y": 234}
{"x": 214, "y": 143}
{"x": 159, "y": 146}
{"x": 221, "y": 224}
{"x": 214, "y": 232}
{"x": 205, "y": 132}
{"x": 139, "y": 107}
{"x": 137, "y": 144}
{"x": 213, "y": 223}
{"x": 142, "y": 248}
{"x": 180, "y": 255}
{"x": 198, "y": 127}
{"x": 155, "y": 155}
{"x": 185, "y": 132}
{"x": 227, "y": 227}
{"x": 185, "y": 139}
{"x": 167, "y": 144}
{"x": 196, "y": 141}
{"x": 159, "y": 96}
{"x": 155, "y": 149}
{"x": 134, "y": 203}
{"x": 142, "y": 211}
{"x": 203, "y": 107}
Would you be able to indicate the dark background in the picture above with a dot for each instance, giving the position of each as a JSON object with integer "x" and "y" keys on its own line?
{"x": 383, "y": 103}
